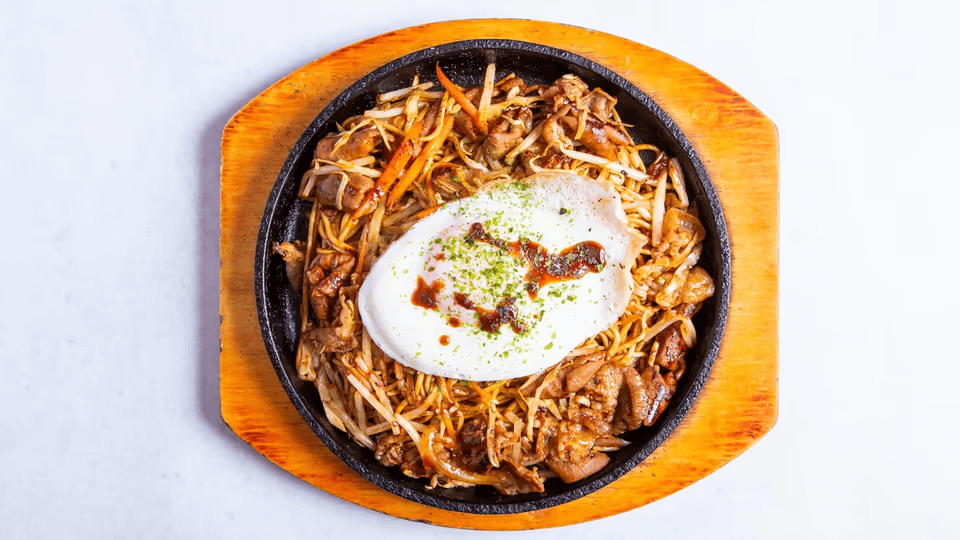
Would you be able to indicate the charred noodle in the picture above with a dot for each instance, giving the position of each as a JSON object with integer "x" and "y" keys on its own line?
{"x": 386, "y": 169}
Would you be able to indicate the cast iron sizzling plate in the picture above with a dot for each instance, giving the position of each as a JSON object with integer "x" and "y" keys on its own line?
{"x": 284, "y": 219}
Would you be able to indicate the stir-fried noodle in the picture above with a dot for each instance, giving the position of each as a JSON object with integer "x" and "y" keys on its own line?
{"x": 425, "y": 145}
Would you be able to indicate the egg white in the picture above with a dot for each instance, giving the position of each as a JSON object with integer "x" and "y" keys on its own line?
{"x": 554, "y": 209}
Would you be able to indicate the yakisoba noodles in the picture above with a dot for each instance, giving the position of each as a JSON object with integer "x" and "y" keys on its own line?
{"x": 424, "y": 146}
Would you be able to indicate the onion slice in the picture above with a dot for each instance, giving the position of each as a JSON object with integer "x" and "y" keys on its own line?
{"x": 611, "y": 166}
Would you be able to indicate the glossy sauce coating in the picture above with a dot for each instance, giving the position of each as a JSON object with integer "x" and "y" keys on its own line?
{"x": 425, "y": 295}
{"x": 490, "y": 320}
{"x": 545, "y": 267}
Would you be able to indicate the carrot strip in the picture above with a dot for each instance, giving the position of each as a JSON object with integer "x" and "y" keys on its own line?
{"x": 400, "y": 158}
{"x": 427, "y": 211}
{"x": 358, "y": 276}
{"x": 461, "y": 98}
{"x": 414, "y": 170}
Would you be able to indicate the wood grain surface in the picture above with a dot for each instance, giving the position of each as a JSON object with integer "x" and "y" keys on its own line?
{"x": 738, "y": 146}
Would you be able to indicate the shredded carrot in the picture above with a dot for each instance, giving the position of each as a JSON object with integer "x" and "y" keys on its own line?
{"x": 400, "y": 158}
{"x": 461, "y": 98}
{"x": 427, "y": 211}
{"x": 361, "y": 256}
{"x": 414, "y": 170}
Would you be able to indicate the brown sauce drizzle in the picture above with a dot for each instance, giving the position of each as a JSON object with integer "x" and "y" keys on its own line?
{"x": 425, "y": 295}
{"x": 545, "y": 267}
{"x": 490, "y": 320}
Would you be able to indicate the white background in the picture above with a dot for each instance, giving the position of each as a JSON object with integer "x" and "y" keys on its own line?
{"x": 110, "y": 120}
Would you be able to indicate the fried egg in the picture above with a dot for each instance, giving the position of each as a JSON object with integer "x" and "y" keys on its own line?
{"x": 504, "y": 283}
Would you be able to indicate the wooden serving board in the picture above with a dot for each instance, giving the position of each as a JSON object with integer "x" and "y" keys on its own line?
{"x": 738, "y": 146}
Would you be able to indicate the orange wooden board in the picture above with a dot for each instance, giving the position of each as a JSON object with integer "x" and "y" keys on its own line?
{"x": 738, "y": 146}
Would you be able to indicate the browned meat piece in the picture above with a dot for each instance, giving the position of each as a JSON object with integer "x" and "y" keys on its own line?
{"x": 597, "y": 143}
{"x": 524, "y": 480}
{"x": 553, "y": 159}
{"x": 568, "y": 87}
{"x": 623, "y": 404}
{"x": 670, "y": 387}
{"x": 463, "y": 122}
{"x": 560, "y": 384}
{"x": 358, "y": 145}
{"x": 581, "y": 375}
{"x": 389, "y": 450}
{"x": 599, "y": 137}
{"x": 341, "y": 336}
{"x": 631, "y": 399}
{"x": 679, "y": 229}
{"x": 600, "y": 103}
{"x": 699, "y": 286}
{"x": 553, "y": 388}
{"x": 688, "y": 310}
{"x": 573, "y": 442}
{"x": 553, "y": 132}
{"x": 452, "y": 179}
{"x": 412, "y": 464}
{"x": 526, "y": 116}
{"x": 339, "y": 265}
{"x": 657, "y": 392}
{"x": 329, "y": 190}
{"x": 319, "y": 302}
{"x": 670, "y": 347}
{"x": 658, "y": 166}
{"x": 497, "y": 144}
{"x": 572, "y": 471}
{"x": 501, "y": 439}
{"x": 292, "y": 253}
{"x": 511, "y": 83}
{"x": 345, "y": 293}
{"x": 465, "y": 125}
{"x": 430, "y": 119}
{"x": 436, "y": 454}
{"x": 573, "y": 456}
{"x": 645, "y": 394}
{"x": 332, "y": 339}
{"x": 473, "y": 443}
{"x": 598, "y": 422}
{"x": 548, "y": 429}
{"x": 325, "y": 276}
{"x": 602, "y": 390}
{"x": 473, "y": 94}
{"x": 474, "y": 433}
{"x": 504, "y": 135}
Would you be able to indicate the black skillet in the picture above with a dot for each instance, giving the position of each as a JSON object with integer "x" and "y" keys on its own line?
{"x": 464, "y": 62}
